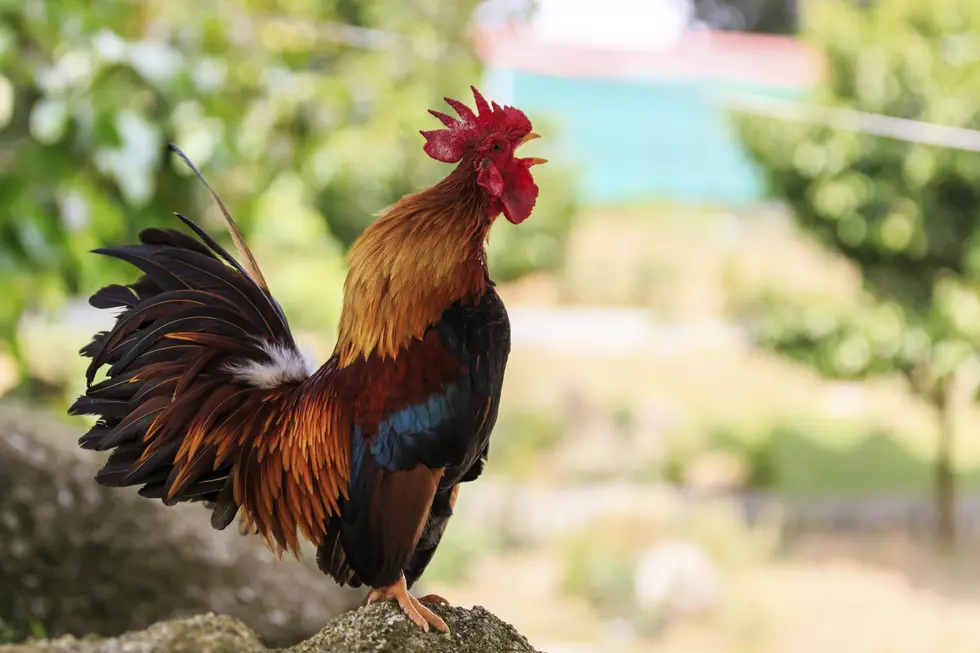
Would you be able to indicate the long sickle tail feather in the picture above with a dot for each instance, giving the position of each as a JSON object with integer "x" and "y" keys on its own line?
{"x": 236, "y": 236}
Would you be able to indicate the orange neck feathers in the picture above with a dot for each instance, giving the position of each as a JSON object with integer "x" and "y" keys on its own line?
{"x": 422, "y": 254}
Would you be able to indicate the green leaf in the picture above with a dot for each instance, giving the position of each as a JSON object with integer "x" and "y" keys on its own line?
{"x": 104, "y": 130}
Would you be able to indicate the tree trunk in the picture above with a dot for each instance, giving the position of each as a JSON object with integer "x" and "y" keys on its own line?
{"x": 945, "y": 479}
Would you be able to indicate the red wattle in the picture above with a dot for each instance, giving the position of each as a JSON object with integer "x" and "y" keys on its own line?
{"x": 519, "y": 195}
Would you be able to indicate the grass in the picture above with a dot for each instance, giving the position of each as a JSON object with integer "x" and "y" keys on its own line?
{"x": 791, "y": 459}
{"x": 817, "y": 457}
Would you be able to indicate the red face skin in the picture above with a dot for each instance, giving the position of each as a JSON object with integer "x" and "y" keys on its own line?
{"x": 487, "y": 141}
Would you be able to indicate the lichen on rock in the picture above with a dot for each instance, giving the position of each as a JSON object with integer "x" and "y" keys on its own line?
{"x": 379, "y": 628}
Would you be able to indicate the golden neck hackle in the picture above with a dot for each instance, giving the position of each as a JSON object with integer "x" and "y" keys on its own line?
{"x": 421, "y": 255}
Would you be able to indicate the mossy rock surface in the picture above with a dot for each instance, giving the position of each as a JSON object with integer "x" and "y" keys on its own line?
{"x": 380, "y": 628}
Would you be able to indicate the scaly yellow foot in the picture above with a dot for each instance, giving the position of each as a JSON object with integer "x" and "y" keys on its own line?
{"x": 413, "y": 609}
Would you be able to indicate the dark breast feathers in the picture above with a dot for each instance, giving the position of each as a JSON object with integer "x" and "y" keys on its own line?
{"x": 422, "y": 427}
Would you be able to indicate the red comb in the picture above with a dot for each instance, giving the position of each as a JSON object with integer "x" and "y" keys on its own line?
{"x": 449, "y": 145}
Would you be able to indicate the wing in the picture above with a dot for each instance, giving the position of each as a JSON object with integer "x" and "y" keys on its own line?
{"x": 422, "y": 422}
{"x": 206, "y": 397}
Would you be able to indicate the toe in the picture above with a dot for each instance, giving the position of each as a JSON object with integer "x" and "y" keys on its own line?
{"x": 436, "y": 622}
{"x": 434, "y": 598}
{"x": 413, "y": 613}
{"x": 374, "y": 596}
{"x": 420, "y": 615}
{"x": 431, "y": 617}
{"x": 419, "y": 620}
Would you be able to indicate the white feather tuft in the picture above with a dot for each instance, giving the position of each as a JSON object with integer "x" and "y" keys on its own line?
{"x": 285, "y": 365}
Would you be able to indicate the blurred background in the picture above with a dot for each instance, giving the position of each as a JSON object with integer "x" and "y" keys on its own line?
{"x": 740, "y": 409}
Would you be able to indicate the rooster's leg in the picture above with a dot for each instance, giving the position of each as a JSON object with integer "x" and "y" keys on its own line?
{"x": 434, "y": 598}
{"x": 413, "y": 609}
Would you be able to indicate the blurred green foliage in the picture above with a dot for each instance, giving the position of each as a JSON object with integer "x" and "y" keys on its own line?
{"x": 868, "y": 335}
{"x": 810, "y": 456}
{"x": 720, "y": 530}
{"x": 7, "y": 634}
{"x": 602, "y": 573}
{"x": 522, "y": 439}
{"x": 539, "y": 243}
{"x": 602, "y": 561}
{"x": 459, "y": 550}
{"x": 304, "y": 115}
{"x": 905, "y": 214}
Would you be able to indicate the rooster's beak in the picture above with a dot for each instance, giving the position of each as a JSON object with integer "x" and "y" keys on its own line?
{"x": 533, "y": 161}
{"x": 530, "y": 137}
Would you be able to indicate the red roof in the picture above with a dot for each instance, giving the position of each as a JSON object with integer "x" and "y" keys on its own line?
{"x": 750, "y": 58}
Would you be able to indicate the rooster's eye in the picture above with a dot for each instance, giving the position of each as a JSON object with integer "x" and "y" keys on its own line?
{"x": 496, "y": 147}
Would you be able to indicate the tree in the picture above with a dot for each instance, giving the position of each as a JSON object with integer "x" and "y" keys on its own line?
{"x": 304, "y": 116}
{"x": 905, "y": 215}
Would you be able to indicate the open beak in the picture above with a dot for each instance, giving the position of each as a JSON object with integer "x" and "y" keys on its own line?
{"x": 532, "y": 161}
{"x": 530, "y": 137}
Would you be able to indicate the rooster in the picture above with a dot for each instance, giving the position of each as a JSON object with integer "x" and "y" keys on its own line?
{"x": 208, "y": 399}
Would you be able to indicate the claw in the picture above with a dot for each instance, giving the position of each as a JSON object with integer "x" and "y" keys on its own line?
{"x": 422, "y": 616}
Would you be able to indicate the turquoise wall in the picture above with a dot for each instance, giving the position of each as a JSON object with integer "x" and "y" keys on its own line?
{"x": 640, "y": 139}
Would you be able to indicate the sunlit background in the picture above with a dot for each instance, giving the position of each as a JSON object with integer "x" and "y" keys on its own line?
{"x": 739, "y": 414}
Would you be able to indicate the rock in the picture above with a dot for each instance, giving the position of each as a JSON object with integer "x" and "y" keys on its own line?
{"x": 379, "y": 628}
{"x": 77, "y": 558}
